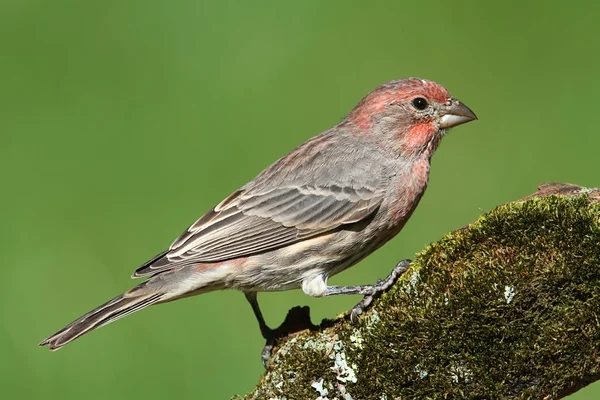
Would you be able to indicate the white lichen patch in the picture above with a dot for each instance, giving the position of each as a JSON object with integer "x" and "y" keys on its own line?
{"x": 342, "y": 390}
{"x": 356, "y": 338}
{"x": 322, "y": 342}
{"x": 509, "y": 293}
{"x": 446, "y": 298}
{"x": 291, "y": 376}
{"x": 277, "y": 382}
{"x": 411, "y": 286}
{"x": 459, "y": 372}
{"x": 318, "y": 386}
{"x": 422, "y": 372}
{"x": 372, "y": 320}
{"x": 287, "y": 347}
{"x": 344, "y": 371}
{"x": 337, "y": 346}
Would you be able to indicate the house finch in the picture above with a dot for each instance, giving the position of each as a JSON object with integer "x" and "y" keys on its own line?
{"x": 313, "y": 213}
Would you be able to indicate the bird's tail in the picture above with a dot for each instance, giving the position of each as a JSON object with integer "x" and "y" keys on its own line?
{"x": 121, "y": 306}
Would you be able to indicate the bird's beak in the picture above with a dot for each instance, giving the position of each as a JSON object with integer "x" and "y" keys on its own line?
{"x": 455, "y": 114}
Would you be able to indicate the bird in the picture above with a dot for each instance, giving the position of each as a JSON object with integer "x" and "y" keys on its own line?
{"x": 312, "y": 214}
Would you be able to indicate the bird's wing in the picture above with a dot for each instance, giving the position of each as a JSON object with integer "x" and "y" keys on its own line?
{"x": 298, "y": 197}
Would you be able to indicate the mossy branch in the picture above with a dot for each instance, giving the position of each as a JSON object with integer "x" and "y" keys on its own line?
{"x": 505, "y": 308}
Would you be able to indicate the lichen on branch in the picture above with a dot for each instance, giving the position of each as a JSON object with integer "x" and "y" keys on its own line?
{"x": 505, "y": 308}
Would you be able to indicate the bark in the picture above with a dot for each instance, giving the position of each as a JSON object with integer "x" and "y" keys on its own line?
{"x": 505, "y": 308}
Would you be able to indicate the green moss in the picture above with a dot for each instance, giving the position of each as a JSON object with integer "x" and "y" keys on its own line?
{"x": 505, "y": 308}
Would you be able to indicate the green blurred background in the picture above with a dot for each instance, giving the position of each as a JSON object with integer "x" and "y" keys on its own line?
{"x": 123, "y": 121}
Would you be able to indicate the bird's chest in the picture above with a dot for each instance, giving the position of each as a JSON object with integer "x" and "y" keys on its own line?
{"x": 408, "y": 189}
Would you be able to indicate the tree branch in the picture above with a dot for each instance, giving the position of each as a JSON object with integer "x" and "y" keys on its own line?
{"x": 504, "y": 308}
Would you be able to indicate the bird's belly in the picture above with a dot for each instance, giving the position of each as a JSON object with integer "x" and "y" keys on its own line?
{"x": 286, "y": 268}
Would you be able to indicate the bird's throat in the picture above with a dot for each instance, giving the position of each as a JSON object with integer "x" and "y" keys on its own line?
{"x": 421, "y": 140}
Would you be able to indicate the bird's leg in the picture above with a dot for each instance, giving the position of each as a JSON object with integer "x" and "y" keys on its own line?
{"x": 369, "y": 291}
{"x": 264, "y": 329}
{"x": 267, "y": 333}
{"x": 296, "y": 320}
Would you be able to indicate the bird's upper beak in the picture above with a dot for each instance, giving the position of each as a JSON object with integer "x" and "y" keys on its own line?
{"x": 456, "y": 113}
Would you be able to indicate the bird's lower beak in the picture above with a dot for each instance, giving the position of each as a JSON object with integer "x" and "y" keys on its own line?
{"x": 456, "y": 113}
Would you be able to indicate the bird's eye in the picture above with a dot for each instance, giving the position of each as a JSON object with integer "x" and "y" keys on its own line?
{"x": 420, "y": 103}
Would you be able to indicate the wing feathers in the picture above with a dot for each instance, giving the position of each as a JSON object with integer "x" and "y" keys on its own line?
{"x": 268, "y": 214}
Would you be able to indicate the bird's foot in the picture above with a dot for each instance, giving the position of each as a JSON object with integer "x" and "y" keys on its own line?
{"x": 379, "y": 288}
{"x": 265, "y": 354}
{"x": 297, "y": 319}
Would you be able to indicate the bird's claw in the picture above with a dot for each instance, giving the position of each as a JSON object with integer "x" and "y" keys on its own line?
{"x": 380, "y": 287}
{"x": 265, "y": 354}
{"x": 361, "y": 306}
{"x": 297, "y": 319}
